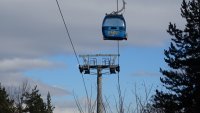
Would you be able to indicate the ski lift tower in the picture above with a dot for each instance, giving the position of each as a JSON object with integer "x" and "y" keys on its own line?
{"x": 99, "y": 64}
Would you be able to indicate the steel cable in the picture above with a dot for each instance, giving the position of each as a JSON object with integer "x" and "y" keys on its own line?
{"x": 73, "y": 47}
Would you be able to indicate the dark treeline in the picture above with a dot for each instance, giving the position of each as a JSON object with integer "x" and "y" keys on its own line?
{"x": 24, "y": 100}
{"x": 182, "y": 80}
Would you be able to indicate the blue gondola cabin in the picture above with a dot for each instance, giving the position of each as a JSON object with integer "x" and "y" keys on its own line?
{"x": 114, "y": 27}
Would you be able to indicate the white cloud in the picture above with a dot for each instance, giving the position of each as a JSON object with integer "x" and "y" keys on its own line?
{"x": 34, "y": 28}
{"x": 17, "y": 79}
{"x": 12, "y": 74}
{"x": 19, "y": 64}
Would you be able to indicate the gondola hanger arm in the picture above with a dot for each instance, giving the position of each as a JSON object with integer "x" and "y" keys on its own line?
{"x": 121, "y": 10}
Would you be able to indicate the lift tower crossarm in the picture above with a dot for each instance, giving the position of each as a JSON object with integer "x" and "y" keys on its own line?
{"x": 103, "y": 61}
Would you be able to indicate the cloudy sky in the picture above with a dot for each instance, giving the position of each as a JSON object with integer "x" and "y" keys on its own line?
{"x": 34, "y": 45}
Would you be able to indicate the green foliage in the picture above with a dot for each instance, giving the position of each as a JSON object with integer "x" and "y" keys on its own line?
{"x": 182, "y": 81}
{"x": 34, "y": 102}
{"x": 6, "y": 105}
{"x": 50, "y": 108}
{"x": 30, "y": 102}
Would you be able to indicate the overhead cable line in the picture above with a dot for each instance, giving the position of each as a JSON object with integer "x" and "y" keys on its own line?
{"x": 118, "y": 75}
{"x": 73, "y": 47}
{"x": 67, "y": 31}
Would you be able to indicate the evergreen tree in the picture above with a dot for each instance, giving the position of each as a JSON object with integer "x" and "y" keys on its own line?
{"x": 182, "y": 80}
{"x": 6, "y": 105}
{"x": 34, "y": 102}
{"x": 50, "y": 108}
